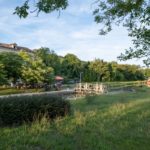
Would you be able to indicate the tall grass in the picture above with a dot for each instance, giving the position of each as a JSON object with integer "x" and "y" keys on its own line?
{"x": 118, "y": 122}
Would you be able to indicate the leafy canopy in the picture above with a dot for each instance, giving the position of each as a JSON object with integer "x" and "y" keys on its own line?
{"x": 2, "y": 74}
{"x": 46, "y": 6}
{"x": 132, "y": 14}
{"x": 11, "y": 63}
{"x": 34, "y": 70}
{"x": 49, "y": 58}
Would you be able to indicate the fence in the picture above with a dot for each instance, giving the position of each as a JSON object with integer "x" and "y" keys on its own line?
{"x": 100, "y": 88}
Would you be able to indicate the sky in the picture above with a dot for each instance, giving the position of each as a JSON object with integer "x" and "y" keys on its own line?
{"x": 74, "y": 31}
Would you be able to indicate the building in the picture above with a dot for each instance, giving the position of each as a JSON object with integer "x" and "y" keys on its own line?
{"x": 13, "y": 48}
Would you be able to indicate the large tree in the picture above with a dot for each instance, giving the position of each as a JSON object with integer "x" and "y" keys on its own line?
{"x": 11, "y": 63}
{"x": 50, "y": 58}
{"x": 37, "y": 6}
{"x": 71, "y": 66}
{"x": 2, "y": 75}
{"x": 133, "y": 14}
{"x": 34, "y": 70}
{"x": 100, "y": 69}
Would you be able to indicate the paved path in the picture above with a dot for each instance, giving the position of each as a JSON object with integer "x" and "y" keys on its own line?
{"x": 62, "y": 92}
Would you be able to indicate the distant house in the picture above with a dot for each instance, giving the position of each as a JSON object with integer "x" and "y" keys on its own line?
{"x": 13, "y": 48}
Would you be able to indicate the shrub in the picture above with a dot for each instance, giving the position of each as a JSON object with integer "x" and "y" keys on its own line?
{"x": 16, "y": 110}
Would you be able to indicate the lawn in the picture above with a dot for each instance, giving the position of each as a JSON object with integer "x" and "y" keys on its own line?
{"x": 9, "y": 91}
{"x": 108, "y": 122}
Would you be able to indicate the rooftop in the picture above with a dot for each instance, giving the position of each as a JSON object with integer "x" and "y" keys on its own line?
{"x": 14, "y": 47}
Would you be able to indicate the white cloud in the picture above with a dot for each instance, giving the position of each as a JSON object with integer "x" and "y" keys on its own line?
{"x": 77, "y": 34}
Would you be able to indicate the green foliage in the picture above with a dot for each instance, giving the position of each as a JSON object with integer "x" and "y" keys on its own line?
{"x": 46, "y": 6}
{"x": 34, "y": 70}
{"x": 101, "y": 69}
{"x": 127, "y": 72}
{"x": 16, "y": 110}
{"x": 71, "y": 65}
{"x": 12, "y": 63}
{"x": 42, "y": 65}
{"x": 2, "y": 75}
{"x": 147, "y": 72}
{"x": 132, "y": 14}
{"x": 49, "y": 58}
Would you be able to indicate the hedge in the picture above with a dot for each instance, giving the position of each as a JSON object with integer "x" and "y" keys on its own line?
{"x": 17, "y": 110}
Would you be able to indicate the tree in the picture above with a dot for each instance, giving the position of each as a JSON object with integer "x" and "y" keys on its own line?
{"x": 12, "y": 63}
{"x": 100, "y": 69}
{"x": 124, "y": 72}
{"x": 146, "y": 72}
{"x": 43, "y": 53}
{"x": 117, "y": 74}
{"x": 34, "y": 70}
{"x": 71, "y": 66}
{"x": 50, "y": 59}
{"x": 45, "y": 6}
{"x": 86, "y": 72}
{"x": 133, "y": 14}
{"x": 2, "y": 75}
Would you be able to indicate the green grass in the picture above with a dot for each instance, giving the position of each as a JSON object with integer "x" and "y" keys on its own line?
{"x": 8, "y": 91}
{"x": 118, "y": 122}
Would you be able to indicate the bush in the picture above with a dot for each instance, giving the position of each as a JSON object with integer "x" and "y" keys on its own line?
{"x": 16, "y": 110}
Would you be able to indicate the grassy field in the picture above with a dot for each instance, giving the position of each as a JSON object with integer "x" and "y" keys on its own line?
{"x": 108, "y": 122}
{"x": 9, "y": 91}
